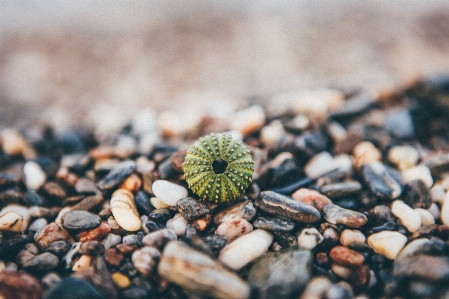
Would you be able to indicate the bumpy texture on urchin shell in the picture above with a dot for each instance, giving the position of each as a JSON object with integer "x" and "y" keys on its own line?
{"x": 200, "y": 175}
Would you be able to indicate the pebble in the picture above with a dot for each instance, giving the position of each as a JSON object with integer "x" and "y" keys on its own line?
{"x": 337, "y": 215}
{"x": 437, "y": 164}
{"x": 201, "y": 224}
{"x": 19, "y": 285}
{"x": 96, "y": 233}
{"x": 42, "y": 262}
{"x": 58, "y": 248}
{"x": 37, "y": 225}
{"x": 199, "y": 274}
{"x": 437, "y": 193}
{"x": 51, "y": 233}
{"x": 382, "y": 180}
{"x": 92, "y": 248}
{"x": 35, "y": 176}
{"x": 120, "y": 280}
{"x": 80, "y": 220}
{"x": 159, "y": 215}
{"x": 33, "y": 199}
{"x": 77, "y": 288}
{"x": 350, "y": 237}
{"x": 387, "y": 243}
{"x": 191, "y": 208}
{"x": 346, "y": 257}
{"x": 426, "y": 267}
{"x": 309, "y": 238}
{"x": 270, "y": 135}
{"x": 113, "y": 257}
{"x": 403, "y": 156}
{"x": 285, "y": 206}
{"x": 245, "y": 249}
{"x": 281, "y": 274}
{"x": 276, "y": 224}
{"x": 445, "y": 211}
{"x": 50, "y": 279}
{"x": 241, "y": 210}
{"x": 410, "y": 218}
{"x": 365, "y": 152}
{"x": 145, "y": 260}
{"x": 417, "y": 195}
{"x": 71, "y": 254}
{"x": 83, "y": 262}
{"x": 143, "y": 203}
{"x": 234, "y": 229}
{"x": 89, "y": 203}
{"x": 111, "y": 240}
{"x": 420, "y": 172}
{"x": 124, "y": 210}
{"x": 159, "y": 238}
{"x": 324, "y": 162}
{"x": 317, "y": 288}
{"x": 14, "y": 144}
{"x": 11, "y": 222}
{"x": 54, "y": 191}
{"x": 117, "y": 175}
{"x": 178, "y": 224}
{"x": 312, "y": 198}
{"x": 248, "y": 120}
{"x": 399, "y": 123}
{"x": 168, "y": 192}
{"x": 341, "y": 189}
{"x": 157, "y": 203}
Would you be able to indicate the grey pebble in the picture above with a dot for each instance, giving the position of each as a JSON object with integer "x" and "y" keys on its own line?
{"x": 417, "y": 194}
{"x": 430, "y": 268}
{"x": 32, "y": 198}
{"x": 80, "y": 220}
{"x": 337, "y": 215}
{"x": 281, "y": 274}
{"x": 191, "y": 208}
{"x": 341, "y": 189}
{"x": 58, "y": 248}
{"x": 159, "y": 215}
{"x": 88, "y": 203}
{"x": 117, "y": 175}
{"x": 131, "y": 239}
{"x": 383, "y": 181}
{"x": 285, "y": 206}
{"x": 399, "y": 123}
{"x": 42, "y": 262}
{"x": 273, "y": 223}
{"x": 85, "y": 185}
{"x": 159, "y": 238}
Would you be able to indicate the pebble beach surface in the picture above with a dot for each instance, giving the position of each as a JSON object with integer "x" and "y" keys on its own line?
{"x": 349, "y": 199}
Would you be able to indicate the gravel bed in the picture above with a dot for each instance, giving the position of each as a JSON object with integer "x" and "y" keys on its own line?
{"x": 347, "y": 200}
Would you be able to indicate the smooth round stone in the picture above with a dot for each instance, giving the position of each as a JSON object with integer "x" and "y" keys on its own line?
{"x": 96, "y": 233}
{"x": 426, "y": 217}
{"x": 324, "y": 162}
{"x": 350, "y": 237}
{"x": 159, "y": 238}
{"x": 51, "y": 233}
{"x": 337, "y": 215}
{"x": 120, "y": 280}
{"x": 88, "y": 203}
{"x": 270, "y": 135}
{"x": 117, "y": 175}
{"x": 178, "y": 224}
{"x": 410, "y": 218}
{"x": 168, "y": 192}
{"x": 85, "y": 185}
{"x": 341, "y": 271}
{"x": 399, "y": 123}
{"x": 37, "y": 225}
{"x": 33, "y": 199}
{"x": 124, "y": 210}
{"x": 111, "y": 240}
{"x": 246, "y": 249}
{"x": 403, "y": 156}
{"x": 312, "y": 198}
{"x": 382, "y": 180}
{"x": 199, "y": 274}
{"x": 437, "y": 193}
{"x": 425, "y": 267}
{"x": 248, "y": 120}
{"x": 157, "y": 203}
{"x": 309, "y": 238}
{"x": 341, "y": 189}
{"x": 11, "y": 222}
{"x": 276, "y": 224}
{"x": 145, "y": 260}
{"x": 317, "y": 288}
{"x": 58, "y": 248}
{"x": 387, "y": 243}
{"x": 143, "y": 203}
{"x": 72, "y": 288}
{"x": 191, "y": 208}
{"x": 35, "y": 176}
{"x": 365, "y": 152}
{"x": 285, "y": 206}
{"x": 131, "y": 239}
{"x": 420, "y": 172}
{"x": 417, "y": 195}
{"x": 159, "y": 215}
{"x": 234, "y": 229}
{"x": 346, "y": 257}
{"x": 42, "y": 262}
{"x": 80, "y": 220}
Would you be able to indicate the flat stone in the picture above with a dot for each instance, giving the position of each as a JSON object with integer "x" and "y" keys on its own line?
{"x": 19, "y": 285}
{"x": 281, "y": 274}
{"x": 88, "y": 203}
{"x": 124, "y": 210}
{"x": 191, "y": 208}
{"x": 245, "y": 249}
{"x": 285, "y": 206}
{"x": 382, "y": 180}
{"x": 199, "y": 274}
{"x": 346, "y": 257}
{"x": 274, "y": 223}
{"x": 341, "y": 189}
{"x": 117, "y": 175}
{"x": 312, "y": 198}
{"x": 77, "y": 288}
{"x": 80, "y": 220}
{"x": 168, "y": 192}
{"x": 387, "y": 243}
{"x": 337, "y": 215}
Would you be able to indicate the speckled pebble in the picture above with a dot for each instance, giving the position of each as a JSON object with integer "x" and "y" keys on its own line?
{"x": 191, "y": 208}
{"x": 96, "y": 233}
{"x": 83, "y": 262}
{"x": 417, "y": 195}
{"x": 234, "y": 229}
{"x": 410, "y": 218}
{"x": 337, "y": 215}
{"x": 274, "y": 223}
{"x": 80, "y": 220}
{"x": 309, "y": 238}
{"x": 168, "y": 192}
{"x": 124, "y": 210}
{"x": 145, "y": 260}
{"x": 387, "y": 243}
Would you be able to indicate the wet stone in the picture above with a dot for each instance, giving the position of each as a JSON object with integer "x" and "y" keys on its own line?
{"x": 80, "y": 220}
{"x": 285, "y": 206}
{"x": 117, "y": 175}
{"x": 277, "y": 224}
{"x": 382, "y": 180}
{"x": 199, "y": 274}
{"x": 244, "y": 210}
{"x": 337, "y": 215}
{"x": 341, "y": 189}
{"x": 77, "y": 288}
{"x": 111, "y": 240}
{"x": 417, "y": 194}
{"x": 281, "y": 274}
{"x": 191, "y": 208}
{"x": 19, "y": 285}
{"x": 11, "y": 222}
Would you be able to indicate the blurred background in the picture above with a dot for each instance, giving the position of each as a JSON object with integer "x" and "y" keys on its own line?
{"x": 92, "y": 63}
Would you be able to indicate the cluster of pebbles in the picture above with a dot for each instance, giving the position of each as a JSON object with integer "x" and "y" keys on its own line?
{"x": 348, "y": 200}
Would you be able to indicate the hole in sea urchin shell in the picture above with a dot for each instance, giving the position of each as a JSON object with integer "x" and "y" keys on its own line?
{"x": 219, "y": 166}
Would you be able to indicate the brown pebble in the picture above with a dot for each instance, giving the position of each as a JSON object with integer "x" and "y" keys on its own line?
{"x": 177, "y": 160}
{"x": 360, "y": 277}
{"x": 312, "y": 197}
{"x": 322, "y": 258}
{"x": 54, "y": 190}
{"x": 127, "y": 248}
{"x": 132, "y": 183}
{"x": 89, "y": 203}
{"x": 92, "y": 248}
{"x": 51, "y": 233}
{"x": 96, "y": 233}
{"x": 113, "y": 257}
{"x": 64, "y": 175}
{"x": 83, "y": 262}
{"x": 19, "y": 285}
{"x": 346, "y": 257}
{"x": 201, "y": 223}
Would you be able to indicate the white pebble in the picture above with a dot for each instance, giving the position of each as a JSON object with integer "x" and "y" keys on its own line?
{"x": 434, "y": 210}
{"x": 421, "y": 172}
{"x": 34, "y": 175}
{"x": 365, "y": 152}
{"x": 426, "y": 217}
{"x": 22, "y": 211}
{"x": 124, "y": 210}
{"x": 445, "y": 211}
{"x": 342, "y": 271}
{"x": 437, "y": 193}
{"x": 317, "y": 101}
{"x": 11, "y": 222}
{"x": 403, "y": 156}
{"x": 410, "y": 218}
{"x": 234, "y": 229}
{"x": 325, "y": 162}
{"x": 13, "y": 143}
{"x": 113, "y": 223}
{"x": 309, "y": 238}
{"x": 412, "y": 247}
{"x": 178, "y": 224}
{"x": 157, "y": 203}
{"x": 387, "y": 243}
{"x": 38, "y": 224}
{"x": 246, "y": 249}
{"x": 249, "y": 120}
{"x": 168, "y": 192}
{"x": 111, "y": 240}
{"x": 270, "y": 135}
{"x": 349, "y": 236}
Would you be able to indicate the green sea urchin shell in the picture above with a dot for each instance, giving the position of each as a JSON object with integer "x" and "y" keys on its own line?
{"x": 218, "y": 167}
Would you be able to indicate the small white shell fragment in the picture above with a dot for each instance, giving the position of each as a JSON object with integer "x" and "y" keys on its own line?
{"x": 387, "y": 243}
{"x": 168, "y": 192}
{"x": 124, "y": 210}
